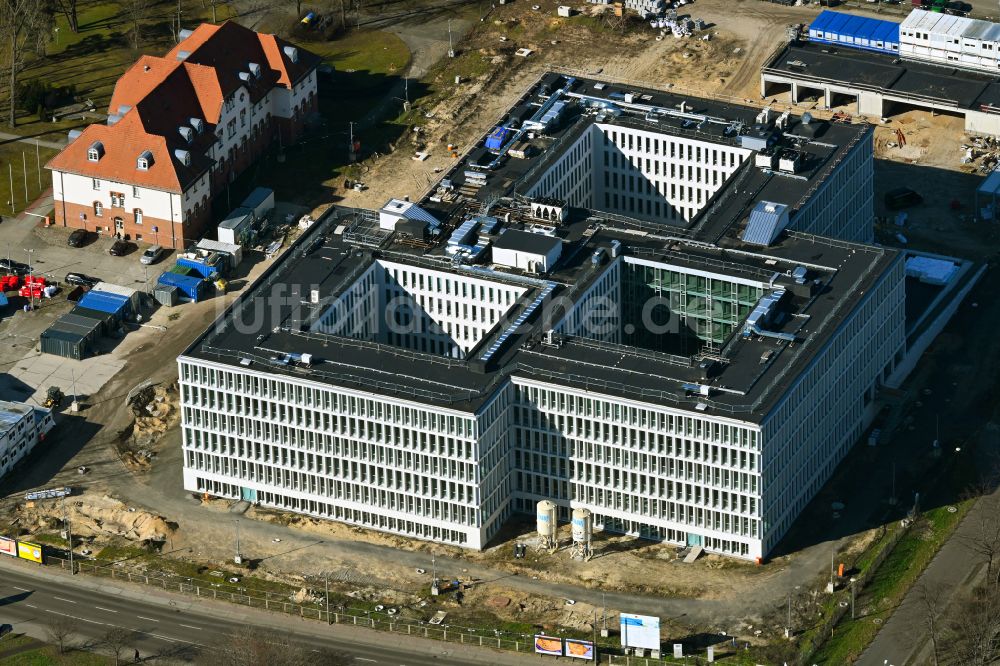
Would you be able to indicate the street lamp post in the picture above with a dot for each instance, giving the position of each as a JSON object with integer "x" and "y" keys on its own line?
{"x": 853, "y": 579}
{"x": 238, "y": 559}
{"x": 31, "y": 288}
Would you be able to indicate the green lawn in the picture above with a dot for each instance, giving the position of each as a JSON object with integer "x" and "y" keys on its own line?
{"x": 892, "y": 580}
{"x": 46, "y": 655}
{"x": 13, "y": 156}
{"x": 373, "y": 52}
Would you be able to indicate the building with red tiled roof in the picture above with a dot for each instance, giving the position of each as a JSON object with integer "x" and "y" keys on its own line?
{"x": 180, "y": 128}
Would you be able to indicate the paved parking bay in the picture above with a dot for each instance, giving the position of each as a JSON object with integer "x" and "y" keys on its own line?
{"x": 29, "y": 379}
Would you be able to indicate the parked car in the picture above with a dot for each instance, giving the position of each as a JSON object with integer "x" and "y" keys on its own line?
{"x": 151, "y": 255}
{"x": 80, "y": 237}
{"x": 81, "y": 279}
{"x": 15, "y": 267}
{"x": 121, "y": 247}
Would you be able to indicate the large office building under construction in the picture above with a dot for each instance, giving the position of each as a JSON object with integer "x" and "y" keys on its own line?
{"x": 665, "y": 310}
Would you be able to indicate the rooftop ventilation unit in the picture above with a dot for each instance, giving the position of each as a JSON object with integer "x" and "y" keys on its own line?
{"x": 790, "y": 161}
{"x": 766, "y": 159}
{"x": 800, "y": 274}
{"x": 73, "y": 134}
{"x": 123, "y": 109}
{"x": 292, "y": 53}
{"x": 113, "y": 119}
{"x": 183, "y": 55}
{"x": 184, "y": 34}
{"x": 764, "y": 314}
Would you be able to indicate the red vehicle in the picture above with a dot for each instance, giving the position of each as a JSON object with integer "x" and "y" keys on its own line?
{"x": 9, "y": 283}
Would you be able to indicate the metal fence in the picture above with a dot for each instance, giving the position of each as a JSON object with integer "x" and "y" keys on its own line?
{"x": 337, "y": 614}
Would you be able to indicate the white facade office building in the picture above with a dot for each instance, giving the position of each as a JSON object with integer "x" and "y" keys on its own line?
{"x": 692, "y": 378}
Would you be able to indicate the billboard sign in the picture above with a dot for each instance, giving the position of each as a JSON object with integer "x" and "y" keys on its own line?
{"x": 640, "y": 631}
{"x": 579, "y": 649}
{"x": 29, "y": 551}
{"x": 8, "y": 546}
{"x": 548, "y": 645}
{"x": 50, "y": 493}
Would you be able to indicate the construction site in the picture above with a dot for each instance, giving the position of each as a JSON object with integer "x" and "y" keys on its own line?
{"x": 121, "y": 454}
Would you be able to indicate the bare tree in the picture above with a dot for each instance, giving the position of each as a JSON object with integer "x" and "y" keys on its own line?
{"x": 59, "y": 630}
{"x": 253, "y": 646}
{"x": 929, "y": 599}
{"x": 116, "y": 639}
{"x": 984, "y": 537}
{"x": 22, "y": 24}
{"x": 135, "y": 13}
{"x": 972, "y": 637}
{"x": 68, "y": 9}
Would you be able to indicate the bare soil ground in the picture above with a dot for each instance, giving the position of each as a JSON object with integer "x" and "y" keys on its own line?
{"x": 743, "y": 34}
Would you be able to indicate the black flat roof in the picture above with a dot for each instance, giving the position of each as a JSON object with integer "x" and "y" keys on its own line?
{"x": 888, "y": 74}
{"x": 524, "y": 241}
{"x": 272, "y": 319}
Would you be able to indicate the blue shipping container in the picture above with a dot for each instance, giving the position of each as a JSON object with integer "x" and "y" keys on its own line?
{"x": 206, "y": 269}
{"x": 113, "y": 304}
{"x": 192, "y": 287}
{"x": 858, "y": 32}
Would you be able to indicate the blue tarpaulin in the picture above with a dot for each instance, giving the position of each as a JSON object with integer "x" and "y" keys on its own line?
{"x": 114, "y": 304}
{"x": 496, "y": 139}
{"x": 858, "y": 32}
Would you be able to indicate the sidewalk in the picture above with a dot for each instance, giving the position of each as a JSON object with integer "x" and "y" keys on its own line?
{"x": 278, "y": 621}
{"x": 903, "y": 640}
{"x": 5, "y": 136}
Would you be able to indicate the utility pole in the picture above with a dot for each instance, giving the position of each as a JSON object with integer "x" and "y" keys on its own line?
{"x": 788, "y": 622}
{"x": 329, "y": 620}
{"x": 451, "y": 44}
{"x": 24, "y": 168}
{"x": 852, "y": 596}
{"x": 69, "y": 536}
{"x": 38, "y": 166}
{"x": 10, "y": 172}
{"x": 892, "y": 498}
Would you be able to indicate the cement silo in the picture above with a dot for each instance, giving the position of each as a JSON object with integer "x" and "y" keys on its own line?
{"x": 547, "y": 523}
{"x": 583, "y": 529}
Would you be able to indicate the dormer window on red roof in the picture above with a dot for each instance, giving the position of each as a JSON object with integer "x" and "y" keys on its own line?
{"x": 95, "y": 152}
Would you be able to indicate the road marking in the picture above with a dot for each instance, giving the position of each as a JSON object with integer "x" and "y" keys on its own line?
{"x": 189, "y": 626}
{"x": 31, "y": 605}
{"x": 166, "y": 638}
{"x": 20, "y": 588}
{"x": 90, "y": 621}
{"x": 56, "y": 612}
{"x": 146, "y": 618}
{"x": 363, "y": 659}
{"x": 106, "y": 610}
{"x": 66, "y": 600}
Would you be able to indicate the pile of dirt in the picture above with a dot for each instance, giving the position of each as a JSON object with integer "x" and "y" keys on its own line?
{"x": 98, "y": 517}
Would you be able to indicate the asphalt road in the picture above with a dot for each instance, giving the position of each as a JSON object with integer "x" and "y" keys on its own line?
{"x": 178, "y": 631}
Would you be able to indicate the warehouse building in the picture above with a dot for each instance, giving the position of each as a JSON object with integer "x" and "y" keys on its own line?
{"x": 22, "y": 427}
{"x": 693, "y": 378}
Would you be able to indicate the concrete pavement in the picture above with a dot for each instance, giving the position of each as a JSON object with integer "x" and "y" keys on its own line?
{"x": 902, "y": 640}
{"x": 172, "y": 628}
